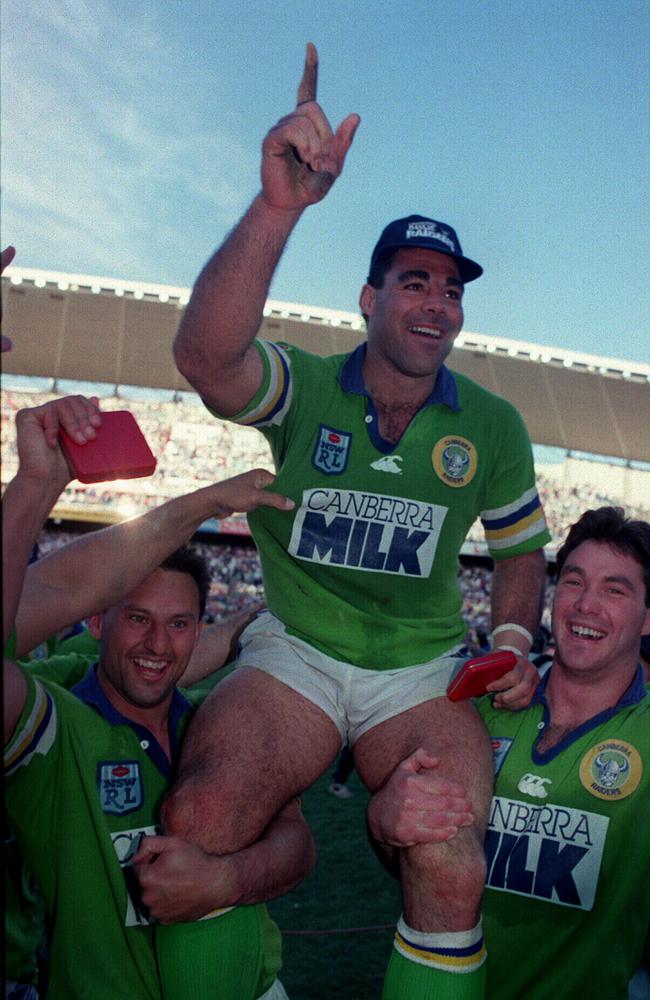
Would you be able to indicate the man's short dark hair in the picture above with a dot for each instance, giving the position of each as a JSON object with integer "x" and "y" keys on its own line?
{"x": 378, "y": 272}
{"x": 380, "y": 269}
{"x": 188, "y": 560}
{"x": 610, "y": 525}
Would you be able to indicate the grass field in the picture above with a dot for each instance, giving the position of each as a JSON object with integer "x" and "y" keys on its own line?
{"x": 335, "y": 934}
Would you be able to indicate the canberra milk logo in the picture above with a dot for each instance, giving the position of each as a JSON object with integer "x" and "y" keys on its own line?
{"x": 120, "y": 786}
{"x": 388, "y": 463}
{"x": 545, "y": 851}
{"x": 367, "y": 531}
{"x": 430, "y": 231}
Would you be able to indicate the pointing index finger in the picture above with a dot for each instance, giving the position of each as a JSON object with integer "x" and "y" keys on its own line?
{"x": 308, "y": 84}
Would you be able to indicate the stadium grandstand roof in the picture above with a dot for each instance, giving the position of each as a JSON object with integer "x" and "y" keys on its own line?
{"x": 120, "y": 332}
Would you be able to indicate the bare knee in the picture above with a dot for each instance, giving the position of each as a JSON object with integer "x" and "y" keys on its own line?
{"x": 203, "y": 813}
{"x": 442, "y": 884}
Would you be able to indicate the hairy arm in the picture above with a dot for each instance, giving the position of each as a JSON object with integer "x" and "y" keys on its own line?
{"x": 216, "y": 647}
{"x": 42, "y": 475}
{"x": 180, "y": 882}
{"x": 301, "y": 159}
{"x": 415, "y": 806}
{"x": 93, "y": 572}
{"x": 517, "y": 596}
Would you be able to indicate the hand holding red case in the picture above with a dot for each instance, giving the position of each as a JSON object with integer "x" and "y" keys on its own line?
{"x": 474, "y": 675}
{"x": 119, "y": 451}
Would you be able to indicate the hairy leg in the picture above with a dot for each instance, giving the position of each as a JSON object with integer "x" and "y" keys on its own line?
{"x": 252, "y": 746}
{"x": 442, "y": 884}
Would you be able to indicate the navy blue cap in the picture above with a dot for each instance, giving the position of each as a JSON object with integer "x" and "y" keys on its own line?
{"x": 417, "y": 231}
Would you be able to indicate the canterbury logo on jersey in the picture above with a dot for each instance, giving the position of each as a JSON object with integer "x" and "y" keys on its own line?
{"x": 388, "y": 463}
{"x": 532, "y": 784}
{"x": 367, "y": 531}
{"x": 545, "y": 851}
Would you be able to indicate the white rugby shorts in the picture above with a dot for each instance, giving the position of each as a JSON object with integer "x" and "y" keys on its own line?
{"x": 354, "y": 698}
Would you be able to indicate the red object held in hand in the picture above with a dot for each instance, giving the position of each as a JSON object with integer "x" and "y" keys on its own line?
{"x": 474, "y": 675}
{"x": 119, "y": 451}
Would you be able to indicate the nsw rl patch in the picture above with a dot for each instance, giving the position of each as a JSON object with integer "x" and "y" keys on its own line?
{"x": 332, "y": 450}
{"x": 119, "y": 784}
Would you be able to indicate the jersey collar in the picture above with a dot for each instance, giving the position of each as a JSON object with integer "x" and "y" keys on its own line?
{"x": 445, "y": 389}
{"x": 635, "y": 693}
{"x": 89, "y": 690}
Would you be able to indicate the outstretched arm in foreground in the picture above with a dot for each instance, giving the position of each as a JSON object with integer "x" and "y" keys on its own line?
{"x": 95, "y": 571}
{"x": 180, "y": 882}
{"x": 301, "y": 159}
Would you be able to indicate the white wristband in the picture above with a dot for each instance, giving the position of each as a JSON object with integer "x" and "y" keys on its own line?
{"x": 513, "y": 649}
{"x": 513, "y": 627}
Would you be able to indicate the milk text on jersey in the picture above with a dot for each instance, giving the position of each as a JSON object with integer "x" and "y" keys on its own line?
{"x": 367, "y": 531}
{"x": 546, "y": 851}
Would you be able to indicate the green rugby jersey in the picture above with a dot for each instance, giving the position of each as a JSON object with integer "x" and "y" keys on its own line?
{"x": 567, "y": 905}
{"x": 83, "y": 785}
{"x": 365, "y": 567}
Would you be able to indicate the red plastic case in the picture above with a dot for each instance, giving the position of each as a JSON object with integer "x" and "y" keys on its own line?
{"x": 119, "y": 451}
{"x": 474, "y": 675}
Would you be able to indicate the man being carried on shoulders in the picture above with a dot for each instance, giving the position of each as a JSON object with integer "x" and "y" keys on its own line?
{"x": 390, "y": 458}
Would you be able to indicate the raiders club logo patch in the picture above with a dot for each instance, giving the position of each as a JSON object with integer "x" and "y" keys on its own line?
{"x": 455, "y": 461}
{"x": 120, "y": 786}
{"x": 611, "y": 770}
{"x": 332, "y": 450}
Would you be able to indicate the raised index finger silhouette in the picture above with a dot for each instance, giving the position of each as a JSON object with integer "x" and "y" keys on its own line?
{"x": 309, "y": 82}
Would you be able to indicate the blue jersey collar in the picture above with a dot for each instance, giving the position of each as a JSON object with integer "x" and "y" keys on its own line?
{"x": 445, "y": 389}
{"x": 634, "y": 694}
{"x": 90, "y": 691}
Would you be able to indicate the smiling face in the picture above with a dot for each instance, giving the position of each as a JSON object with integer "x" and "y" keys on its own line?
{"x": 146, "y": 642}
{"x": 599, "y": 613}
{"x": 414, "y": 318}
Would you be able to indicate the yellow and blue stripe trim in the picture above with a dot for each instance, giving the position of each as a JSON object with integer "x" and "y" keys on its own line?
{"x": 36, "y": 734}
{"x": 276, "y": 392}
{"x": 442, "y": 951}
{"x": 515, "y": 523}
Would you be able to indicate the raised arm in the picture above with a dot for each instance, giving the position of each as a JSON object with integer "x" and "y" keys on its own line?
{"x": 180, "y": 882}
{"x": 42, "y": 474}
{"x": 301, "y": 159}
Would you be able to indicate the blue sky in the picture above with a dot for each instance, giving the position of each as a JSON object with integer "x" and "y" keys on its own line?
{"x": 132, "y": 130}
